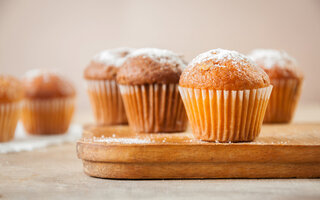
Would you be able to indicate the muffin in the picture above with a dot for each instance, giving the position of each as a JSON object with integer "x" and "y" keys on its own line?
{"x": 225, "y": 95}
{"x": 49, "y": 103}
{"x": 286, "y": 79}
{"x": 149, "y": 87}
{"x": 102, "y": 88}
{"x": 11, "y": 94}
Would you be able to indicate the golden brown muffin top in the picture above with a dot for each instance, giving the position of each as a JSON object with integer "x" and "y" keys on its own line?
{"x": 149, "y": 66}
{"x": 105, "y": 65}
{"x": 11, "y": 89}
{"x": 221, "y": 69}
{"x": 42, "y": 84}
{"x": 277, "y": 64}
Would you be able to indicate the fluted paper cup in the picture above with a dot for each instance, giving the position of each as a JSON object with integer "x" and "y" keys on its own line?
{"x": 154, "y": 108}
{"x": 106, "y": 102}
{"x": 9, "y": 116}
{"x": 46, "y": 117}
{"x": 283, "y": 101}
{"x": 225, "y": 116}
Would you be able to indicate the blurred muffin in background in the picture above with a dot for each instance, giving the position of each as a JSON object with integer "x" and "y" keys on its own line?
{"x": 149, "y": 87}
{"x": 49, "y": 103}
{"x": 225, "y": 95}
{"x": 11, "y": 94}
{"x": 102, "y": 88}
{"x": 286, "y": 79}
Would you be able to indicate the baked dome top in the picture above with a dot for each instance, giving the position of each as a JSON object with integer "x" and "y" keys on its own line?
{"x": 11, "y": 89}
{"x": 42, "y": 84}
{"x": 104, "y": 65}
{"x": 276, "y": 63}
{"x": 149, "y": 66}
{"x": 221, "y": 69}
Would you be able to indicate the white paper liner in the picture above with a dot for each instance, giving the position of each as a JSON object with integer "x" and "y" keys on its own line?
{"x": 154, "y": 108}
{"x": 106, "y": 102}
{"x": 47, "y": 117}
{"x": 283, "y": 101}
{"x": 225, "y": 116}
{"x": 9, "y": 116}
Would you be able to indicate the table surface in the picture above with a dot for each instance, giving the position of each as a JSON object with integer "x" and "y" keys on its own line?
{"x": 56, "y": 172}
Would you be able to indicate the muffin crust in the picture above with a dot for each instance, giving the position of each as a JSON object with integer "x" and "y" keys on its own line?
{"x": 40, "y": 84}
{"x": 277, "y": 64}
{"x": 149, "y": 66}
{"x": 221, "y": 69}
{"x": 105, "y": 65}
{"x": 11, "y": 89}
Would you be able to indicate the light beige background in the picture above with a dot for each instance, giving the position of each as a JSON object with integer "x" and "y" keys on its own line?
{"x": 65, "y": 34}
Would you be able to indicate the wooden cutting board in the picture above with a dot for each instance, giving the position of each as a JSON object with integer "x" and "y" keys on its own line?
{"x": 281, "y": 151}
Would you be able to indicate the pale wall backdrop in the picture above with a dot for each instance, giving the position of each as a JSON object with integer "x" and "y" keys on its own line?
{"x": 65, "y": 34}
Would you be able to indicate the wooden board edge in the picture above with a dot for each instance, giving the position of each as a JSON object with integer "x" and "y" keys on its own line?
{"x": 200, "y": 170}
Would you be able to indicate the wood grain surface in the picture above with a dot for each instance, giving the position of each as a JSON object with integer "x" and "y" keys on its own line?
{"x": 281, "y": 151}
{"x": 55, "y": 172}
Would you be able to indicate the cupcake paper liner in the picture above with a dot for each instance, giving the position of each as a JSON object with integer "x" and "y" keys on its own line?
{"x": 225, "y": 116}
{"x": 9, "y": 116}
{"x": 45, "y": 117}
{"x": 106, "y": 102}
{"x": 154, "y": 108}
{"x": 283, "y": 101}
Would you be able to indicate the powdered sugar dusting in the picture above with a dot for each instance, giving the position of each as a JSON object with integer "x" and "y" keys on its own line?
{"x": 113, "y": 57}
{"x": 220, "y": 56}
{"x": 10, "y": 87}
{"x": 34, "y": 73}
{"x": 160, "y": 55}
{"x": 49, "y": 77}
{"x": 270, "y": 58}
{"x": 44, "y": 73}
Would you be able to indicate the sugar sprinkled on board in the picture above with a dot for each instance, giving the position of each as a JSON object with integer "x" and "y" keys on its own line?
{"x": 113, "y": 57}
{"x": 121, "y": 140}
{"x": 270, "y": 58}
{"x": 160, "y": 55}
{"x": 221, "y": 56}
